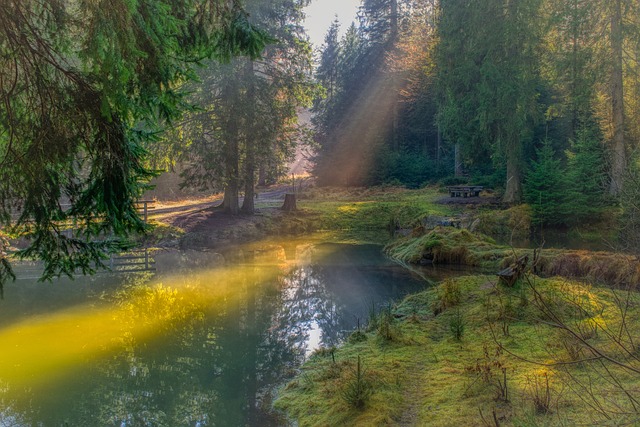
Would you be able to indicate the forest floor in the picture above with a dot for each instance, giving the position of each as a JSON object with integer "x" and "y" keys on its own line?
{"x": 360, "y": 215}
{"x": 201, "y": 222}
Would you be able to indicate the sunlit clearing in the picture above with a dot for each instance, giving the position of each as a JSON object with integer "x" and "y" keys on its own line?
{"x": 366, "y": 124}
{"x": 42, "y": 348}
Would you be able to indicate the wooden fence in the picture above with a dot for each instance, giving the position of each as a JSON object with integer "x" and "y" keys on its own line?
{"x": 129, "y": 262}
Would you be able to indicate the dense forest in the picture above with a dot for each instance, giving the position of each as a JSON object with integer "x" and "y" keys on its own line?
{"x": 536, "y": 98}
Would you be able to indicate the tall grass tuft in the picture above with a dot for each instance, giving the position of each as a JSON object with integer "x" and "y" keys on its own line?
{"x": 456, "y": 325}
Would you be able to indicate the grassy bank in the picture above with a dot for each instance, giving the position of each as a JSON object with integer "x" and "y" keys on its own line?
{"x": 447, "y": 245}
{"x": 368, "y": 215}
{"x": 471, "y": 352}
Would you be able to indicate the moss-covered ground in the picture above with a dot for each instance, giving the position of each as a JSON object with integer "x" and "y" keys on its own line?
{"x": 448, "y": 245}
{"x": 368, "y": 214}
{"x": 548, "y": 351}
{"x": 471, "y": 352}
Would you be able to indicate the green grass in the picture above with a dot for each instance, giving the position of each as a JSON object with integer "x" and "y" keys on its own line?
{"x": 368, "y": 215}
{"x": 425, "y": 375}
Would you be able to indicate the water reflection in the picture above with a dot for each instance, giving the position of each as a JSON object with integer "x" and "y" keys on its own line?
{"x": 203, "y": 343}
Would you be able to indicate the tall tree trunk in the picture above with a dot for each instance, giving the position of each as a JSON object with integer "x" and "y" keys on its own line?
{"x": 248, "y": 204}
{"x": 230, "y": 201}
{"x": 395, "y": 86}
{"x": 619, "y": 160}
{"x": 457, "y": 160}
{"x": 513, "y": 188}
{"x": 262, "y": 175}
{"x": 513, "y": 148}
{"x": 574, "y": 71}
{"x": 438, "y": 147}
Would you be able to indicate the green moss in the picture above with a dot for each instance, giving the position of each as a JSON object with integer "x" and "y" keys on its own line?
{"x": 512, "y": 223}
{"x": 428, "y": 377}
{"x": 447, "y": 245}
{"x": 368, "y": 215}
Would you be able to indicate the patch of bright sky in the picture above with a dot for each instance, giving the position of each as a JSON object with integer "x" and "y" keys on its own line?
{"x": 320, "y": 14}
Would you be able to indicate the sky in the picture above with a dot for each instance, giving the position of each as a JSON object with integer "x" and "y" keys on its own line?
{"x": 320, "y": 14}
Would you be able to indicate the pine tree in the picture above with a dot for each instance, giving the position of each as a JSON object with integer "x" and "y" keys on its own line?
{"x": 83, "y": 86}
{"x": 545, "y": 187}
{"x": 586, "y": 177}
{"x": 250, "y": 109}
{"x": 487, "y": 77}
{"x": 328, "y": 69}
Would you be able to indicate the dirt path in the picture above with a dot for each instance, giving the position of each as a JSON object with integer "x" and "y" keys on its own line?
{"x": 412, "y": 399}
{"x": 207, "y": 225}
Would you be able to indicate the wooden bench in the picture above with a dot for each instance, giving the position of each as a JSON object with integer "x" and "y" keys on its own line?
{"x": 510, "y": 275}
{"x": 464, "y": 190}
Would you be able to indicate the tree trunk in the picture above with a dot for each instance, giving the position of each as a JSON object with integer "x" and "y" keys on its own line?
{"x": 248, "y": 204}
{"x": 289, "y": 203}
{"x": 619, "y": 158}
{"x": 458, "y": 160}
{"x": 438, "y": 147}
{"x": 262, "y": 176}
{"x": 230, "y": 201}
{"x": 513, "y": 188}
{"x": 394, "y": 76}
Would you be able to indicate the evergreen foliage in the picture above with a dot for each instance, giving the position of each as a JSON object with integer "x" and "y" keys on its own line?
{"x": 586, "y": 177}
{"x": 83, "y": 86}
{"x": 571, "y": 192}
{"x": 247, "y": 124}
{"x": 446, "y": 82}
{"x": 545, "y": 188}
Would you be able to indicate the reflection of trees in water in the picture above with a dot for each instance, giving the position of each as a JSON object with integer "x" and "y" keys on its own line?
{"x": 10, "y": 415}
{"x": 211, "y": 368}
{"x": 213, "y": 360}
{"x": 307, "y": 305}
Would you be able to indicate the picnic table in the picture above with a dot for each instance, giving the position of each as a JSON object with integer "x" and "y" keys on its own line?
{"x": 464, "y": 190}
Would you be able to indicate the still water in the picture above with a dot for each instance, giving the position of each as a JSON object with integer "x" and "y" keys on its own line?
{"x": 204, "y": 341}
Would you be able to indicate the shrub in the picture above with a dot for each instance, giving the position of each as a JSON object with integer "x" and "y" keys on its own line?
{"x": 545, "y": 187}
{"x": 514, "y": 222}
{"x": 449, "y": 295}
{"x": 386, "y": 328}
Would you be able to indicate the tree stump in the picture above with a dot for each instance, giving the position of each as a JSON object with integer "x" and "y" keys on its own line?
{"x": 510, "y": 275}
{"x": 289, "y": 203}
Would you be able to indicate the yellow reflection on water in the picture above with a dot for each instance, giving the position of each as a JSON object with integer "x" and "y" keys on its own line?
{"x": 40, "y": 348}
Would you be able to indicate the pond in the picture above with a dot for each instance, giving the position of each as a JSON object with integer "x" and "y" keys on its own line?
{"x": 203, "y": 341}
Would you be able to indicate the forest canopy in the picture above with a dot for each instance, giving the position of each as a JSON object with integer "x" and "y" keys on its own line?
{"x": 84, "y": 85}
{"x": 425, "y": 90}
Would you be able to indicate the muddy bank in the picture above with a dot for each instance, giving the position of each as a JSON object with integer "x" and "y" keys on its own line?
{"x": 213, "y": 228}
